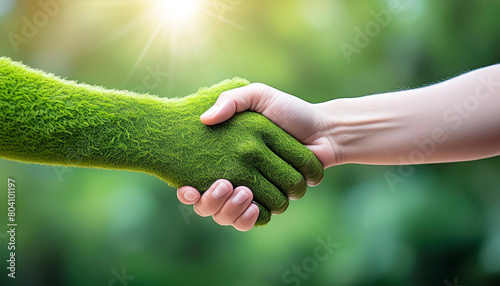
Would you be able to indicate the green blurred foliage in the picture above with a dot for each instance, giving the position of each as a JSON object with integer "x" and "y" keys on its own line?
{"x": 85, "y": 226}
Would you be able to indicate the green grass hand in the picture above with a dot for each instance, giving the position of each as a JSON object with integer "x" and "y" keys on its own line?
{"x": 48, "y": 120}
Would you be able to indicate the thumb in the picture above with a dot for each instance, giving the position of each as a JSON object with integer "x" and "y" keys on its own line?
{"x": 219, "y": 112}
{"x": 230, "y": 102}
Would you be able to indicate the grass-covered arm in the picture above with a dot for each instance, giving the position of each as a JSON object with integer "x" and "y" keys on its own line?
{"x": 48, "y": 120}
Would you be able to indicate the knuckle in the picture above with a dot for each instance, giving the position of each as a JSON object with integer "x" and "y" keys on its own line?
{"x": 258, "y": 85}
{"x": 224, "y": 96}
{"x": 248, "y": 148}
{"x": 199, "y": 211}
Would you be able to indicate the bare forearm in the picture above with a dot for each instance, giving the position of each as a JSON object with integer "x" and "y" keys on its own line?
{"x": 456, "y": 120}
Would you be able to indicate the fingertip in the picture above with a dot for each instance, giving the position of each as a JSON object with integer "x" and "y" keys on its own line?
{"x": 207, "y": 117}
{"x": 219, "y": 112}
{"x": 246, "y": 190}
{"x": 264, "y": 216}
{"x": 298, "y": 190}
{"x": 251, "y": 213}
{"x": 315, "y": 183}
{"x": 188, "y": 195}
{"x": 313, "y": 169}
{"x": 214, "y": 198}
{"x": 247, "y": 220}
{"x": 242, "y": 228}
{"x": 220, "y": 189}
{"x": 223, "y": 181}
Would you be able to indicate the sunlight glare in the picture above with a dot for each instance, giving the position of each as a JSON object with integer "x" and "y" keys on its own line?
{"x": 178, "y": 10}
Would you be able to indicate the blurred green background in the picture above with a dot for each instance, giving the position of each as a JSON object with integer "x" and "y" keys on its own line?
{"x": 441, "y": 226}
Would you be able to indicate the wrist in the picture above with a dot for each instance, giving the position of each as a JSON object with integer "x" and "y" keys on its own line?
{"x": 333, "y": 129}
{"x": 359, "y": 129}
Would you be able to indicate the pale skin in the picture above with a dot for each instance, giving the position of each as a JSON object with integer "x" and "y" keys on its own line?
{"x": 455, "y": 120}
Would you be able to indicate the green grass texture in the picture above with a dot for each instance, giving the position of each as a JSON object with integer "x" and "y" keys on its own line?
{"x": 48, "y": 120}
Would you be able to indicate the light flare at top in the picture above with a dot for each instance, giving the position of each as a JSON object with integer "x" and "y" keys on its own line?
{"x": 178, "y": 11}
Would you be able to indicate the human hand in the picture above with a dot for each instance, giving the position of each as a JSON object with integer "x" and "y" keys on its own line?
{"x": 227, "y": 205}
{"x": 54, "y": 121}
{"x": 247, "y": 150}
{"x": 302, "y": 120}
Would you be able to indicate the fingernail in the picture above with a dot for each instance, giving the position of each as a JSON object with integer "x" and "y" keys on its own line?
{"x": 190, "y": 196}
{"x": 220, "y": 191}
{"x": 240, "y": 198}
{"x": 249, "y": 213}
{"x": 211, "y": 111}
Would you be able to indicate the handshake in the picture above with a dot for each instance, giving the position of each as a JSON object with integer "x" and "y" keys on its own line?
{"x": 283, "y": 165}
{"x": 49, "y": 120}
{"x": 267, "y": 144}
